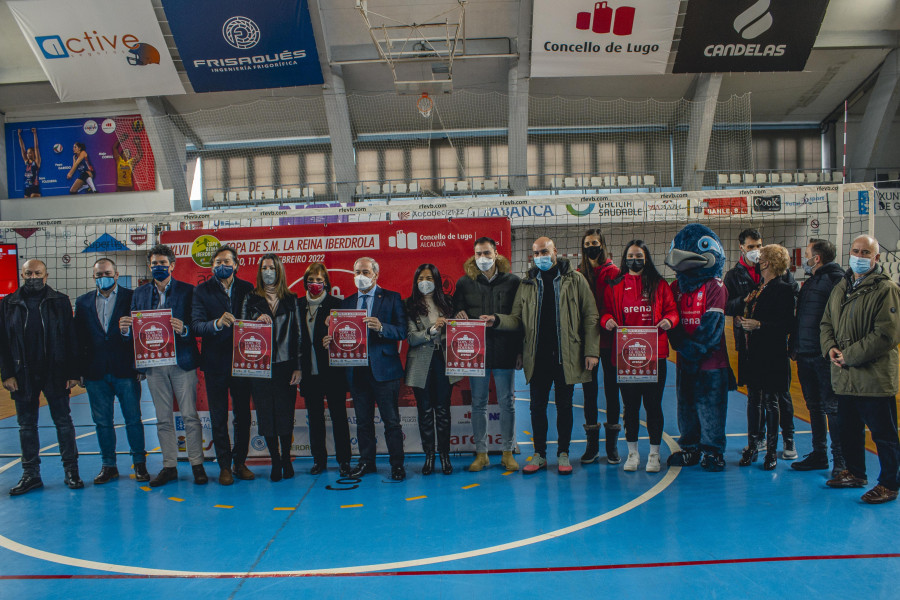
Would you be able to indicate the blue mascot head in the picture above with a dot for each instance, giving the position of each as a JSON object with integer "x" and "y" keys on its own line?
{"x": 696, "y": 255}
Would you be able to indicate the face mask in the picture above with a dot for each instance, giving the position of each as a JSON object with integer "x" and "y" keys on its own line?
{"x": 484, "y": 264}
{"x": 860, "y": 265}
{"x": 752, "y": 257}
{"x": 315, "y": 288}
{"x": 160, "y": 272}
{"x": 223, "y": 271}
{"x": 269, "y": 277}
{"x": 426, "y": 287}
{"x": 808, "y": 268}
{"x": 105, "y": 283}
{"x": 635, "y": 264}
{"x": 34, "y": 285}
{"x": 362, "y": 282}
{"x": 544, "y": 263}
{"x": 594, "y": 252}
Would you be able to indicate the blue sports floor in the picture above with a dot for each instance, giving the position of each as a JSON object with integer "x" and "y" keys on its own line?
{"x": 681, "y": 533}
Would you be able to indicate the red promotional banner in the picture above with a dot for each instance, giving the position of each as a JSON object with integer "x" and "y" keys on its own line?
{"x": 252, "y": 355}
{"x": 465, "y": 348}
{"x": 636, "y": 354}
{"x": 726, "y": 206}
{"x": 154, "y": 339}
{"x": 349, "y": 342}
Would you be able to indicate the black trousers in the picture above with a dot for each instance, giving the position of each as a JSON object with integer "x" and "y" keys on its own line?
{"x": 651, "y": 394}
{"x": 549, "y": 374}
{"x": 28, "y": 405}
{"x": 218, "y": 388}
{"x": 275, "y": 400}
{"x": 367, "y": 393}
{"x": 433, "y": 406}
{"x": 855, "y": 413}
{"x": 610, "y": 391}
{"x": 763, "y": 411}
{"x": 316, "y": 388}
{"x": 814, "y": 373}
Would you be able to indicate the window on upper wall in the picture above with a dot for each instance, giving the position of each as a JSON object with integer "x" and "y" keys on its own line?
{"x": 786, "y": 154}
{"x": 213, "y": 176}
{"x": 237, "y": 173}
{"x": 499, "y": 155}
{"x": 607, "y": 158}
{"x": 635, "y": 157}
{"x": 474, "y": 161}
{"x": 289, "y": 167}
{"x": 421, "y": 167}
{"x": 534, "y": 161}
{"x": 394, "y": 169}
{"x": 553, "y": 161}
{"x": 263, "y": 172}
{"x": 367, "y": 165}
{"x": 448, "y": 163}
{"x": 317, "y": 172}
{"x": 581, "y": 159}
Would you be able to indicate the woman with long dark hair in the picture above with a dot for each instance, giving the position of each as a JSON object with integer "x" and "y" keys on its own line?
{"x": 640, "y": 297}
{"x": 598, "y": 268}
{"x": 274, "y": 398}
{"x": 427, "y": 311}
{"x": 81, "y": 164}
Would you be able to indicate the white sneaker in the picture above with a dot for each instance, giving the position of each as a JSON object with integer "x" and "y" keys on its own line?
{"x": 633, "y": 461}
{"x": 653, "y": 463}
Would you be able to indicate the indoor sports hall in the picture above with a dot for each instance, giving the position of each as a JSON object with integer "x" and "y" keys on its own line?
{"x": 348, "y": 151}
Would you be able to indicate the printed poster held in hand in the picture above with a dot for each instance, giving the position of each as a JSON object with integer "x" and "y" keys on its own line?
{"x": 154, "y": 338}
{"x": 465, "y": 347}
{"x": 349, "y": 343}
{"x": 252, "y": 355}
{"x": 636, "y": 354}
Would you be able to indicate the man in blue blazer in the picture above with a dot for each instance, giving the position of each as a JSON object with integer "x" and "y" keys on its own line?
{"x": 216, "y": 301}
{"x": 379, "y": 382}
{"x": 180, "y": 380}
{"x": 107, "y": 369}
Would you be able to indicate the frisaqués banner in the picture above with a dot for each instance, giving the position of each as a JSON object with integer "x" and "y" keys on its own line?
{"x": 97, "y": 49}
{"x": 581, "y": 38}
{"x": 238, "y": 45}
{"x": 748, "y": 35}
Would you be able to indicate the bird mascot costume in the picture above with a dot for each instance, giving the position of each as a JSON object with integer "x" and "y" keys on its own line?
{"x": 703, "y": 374}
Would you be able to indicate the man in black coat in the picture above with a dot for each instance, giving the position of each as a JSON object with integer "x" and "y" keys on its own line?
{"x": 743, "y": 278}
{"x": 813, "y": 369}
{"x": 212, "y": 319}
{"x": 38, "y": 354}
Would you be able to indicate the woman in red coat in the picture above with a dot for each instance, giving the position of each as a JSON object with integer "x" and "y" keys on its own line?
{"x": 640, "y": 297}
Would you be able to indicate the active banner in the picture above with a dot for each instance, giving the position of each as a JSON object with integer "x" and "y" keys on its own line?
{"x": 96, "y": 49}
{"x": 349, "y": 343}
{"x": 154, "y": 338}
{"x": 636, "y": 354}
{"x": 69, "y": 156}
{"x": 465, "y": 347}
{"x": 748, "y": 35}
{"x": 252, "y": 355}
{"x": 580, "y": 38}
{"x": 240, "y": 45}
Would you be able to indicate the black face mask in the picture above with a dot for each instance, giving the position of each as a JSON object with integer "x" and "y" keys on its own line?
{"x": 635, "y": 264}
{"x": 594, "y": 252}
{"x": 33, "y": 285}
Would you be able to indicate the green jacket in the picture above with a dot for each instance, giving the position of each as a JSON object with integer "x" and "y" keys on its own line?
{"x": 578, "y": 326}
{"x": 865, "y": 325}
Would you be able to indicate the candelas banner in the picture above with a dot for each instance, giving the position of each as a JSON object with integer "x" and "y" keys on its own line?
{"x": 96, "y": 49}
{"x": 581, "y": 38}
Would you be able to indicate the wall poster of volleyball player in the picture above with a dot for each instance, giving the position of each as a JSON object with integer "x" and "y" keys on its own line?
{"x": 108, "y": 155}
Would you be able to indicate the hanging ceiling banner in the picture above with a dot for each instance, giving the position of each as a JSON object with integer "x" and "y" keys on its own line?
{"x": 580, "y": 38}
{"x": 96, "y": 49}
{"x": 748, "y": 35}
{"x": 240, "y": 45}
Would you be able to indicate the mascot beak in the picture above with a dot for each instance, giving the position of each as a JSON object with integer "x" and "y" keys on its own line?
{"x": 684, "y": 260}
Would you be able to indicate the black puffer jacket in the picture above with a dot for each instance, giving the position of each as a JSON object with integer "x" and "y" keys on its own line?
{"x": 811, "y": 306}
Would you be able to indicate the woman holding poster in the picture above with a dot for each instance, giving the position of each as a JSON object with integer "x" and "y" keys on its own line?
{"x": 427, "y": 311}
{"x": 274, "y": 399}
{"x": 639, "y": 297}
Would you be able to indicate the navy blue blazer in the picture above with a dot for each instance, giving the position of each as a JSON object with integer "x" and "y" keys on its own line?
{"x": 99, "y": 353}
{"x": 179, "y": 299}
{"x": 211, "y": 302}
{"x": 384, "y": 353}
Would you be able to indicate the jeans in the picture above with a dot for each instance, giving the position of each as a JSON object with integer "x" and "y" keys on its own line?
{"x": 504, "y": 380}
{"x": 814, "y": 373}
{"x": 544, "y": 377}
{"x": 102, "y": 395}
{"x": 218, "y": 388}
{"x": 367, "y": 393}
{"x": 610, "y": 391}
{"x": 433, "y": 407}
{"x": 166, "y": 383}
{"x": 651, "y": 394}
{"x": 27, "y": 401}
{"x": 702, "y": 407}
{"x": 315, "y": 389}
{"x": 855, "y": 413}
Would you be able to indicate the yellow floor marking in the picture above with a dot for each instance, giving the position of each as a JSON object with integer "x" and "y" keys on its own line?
{"x": 222, "y": 506}
{"x": 351, "y": 505}
{"x": 528, "y": 459}
{"x": 173, "y": 498}
{"x": 155, "y": 449}
{"x": 416, "y": 498}
{"x": 511, "y": 472}
{"x": 131, "y": 476}
{"x": 145, "y": 488}
{"x": 470, "y": 486}
{"x": 526, "y": 432}
{"x": 284, "y": 508}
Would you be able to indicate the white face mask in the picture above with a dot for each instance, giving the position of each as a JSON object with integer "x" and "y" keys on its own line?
{"x": 362, "y": 282}
{"x": 426, "y": 287}
{"x": 484, "y": 264}
{"x": 752, "y": 257}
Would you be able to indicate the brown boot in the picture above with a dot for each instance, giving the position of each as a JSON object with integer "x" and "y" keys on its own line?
{"x": 481, "y": 461}
{"x": 509, "y": 463}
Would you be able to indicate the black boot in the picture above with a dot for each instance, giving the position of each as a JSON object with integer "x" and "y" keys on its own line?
{"x": 446, "y": 467}
{"x": 592, "y": 451}
{"x": 749, "y": 454}
{"x": 612, "y": 436}
{"x": 72, "y": 479}
{"x": 817, "y": 460}
{"x": 772, "y": 419}
{"x": 287, "y": 469}
{"x": 275, "y": 455}
{"x": 428, "y": 467}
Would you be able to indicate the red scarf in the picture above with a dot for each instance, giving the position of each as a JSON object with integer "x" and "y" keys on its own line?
{"x": 754, "y": 274}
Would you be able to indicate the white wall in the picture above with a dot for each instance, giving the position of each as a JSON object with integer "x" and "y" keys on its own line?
{"x": 86, "y": 205}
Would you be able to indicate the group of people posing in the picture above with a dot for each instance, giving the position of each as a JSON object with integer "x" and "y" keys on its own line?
{"x": 557, "y": 323}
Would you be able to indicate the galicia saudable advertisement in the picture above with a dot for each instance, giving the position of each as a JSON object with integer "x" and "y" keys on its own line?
{"x": 244, "y": 45}
{"x": 748, "y": 35}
